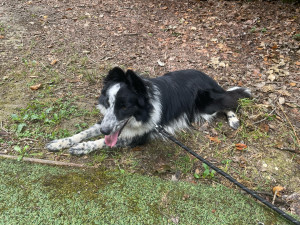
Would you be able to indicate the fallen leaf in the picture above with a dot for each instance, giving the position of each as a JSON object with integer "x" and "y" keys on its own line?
{"x": 284, "y": 93}
{"x": 138, "y": 148}
{"x": 214, "y": 139}
{"x": 160, "y": 63}
{"x": 281, "y": 100}
{"x": 297, "y": 63}
{"x": 73, "y": 81}
{"x": 53, "y": 62}
{"x": 35, "y": 87}
{"x": 2, "y": 37}
{"x": 240, "y": 146}
{"x": 264, "y": 127}
{"x": 268, "y": 88}
{"x": 278, "y": 190}
{"x": 271, "y": 77}
{"x": 292, "y": 84}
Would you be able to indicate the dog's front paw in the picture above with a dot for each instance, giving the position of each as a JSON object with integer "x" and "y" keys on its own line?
{"x": 59, "y": 144}
{"x": 87, "y": 147}
{"x": 234, "y": 124}
{"x": 79, "y": 149}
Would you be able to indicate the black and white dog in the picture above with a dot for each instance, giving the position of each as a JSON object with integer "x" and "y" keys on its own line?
{"x": 132, "y": 106}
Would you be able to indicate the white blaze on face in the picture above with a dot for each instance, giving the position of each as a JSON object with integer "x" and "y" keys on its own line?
{"x": 110, "y": 119}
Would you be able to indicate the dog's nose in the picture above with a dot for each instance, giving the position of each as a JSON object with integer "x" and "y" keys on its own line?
{"x": 105, "y": 130}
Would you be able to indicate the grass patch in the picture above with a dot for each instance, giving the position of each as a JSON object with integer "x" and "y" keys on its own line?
{"x": 251, "y": 111}
{"x": 39, "y": 194}
{"x": 39, "y": 119}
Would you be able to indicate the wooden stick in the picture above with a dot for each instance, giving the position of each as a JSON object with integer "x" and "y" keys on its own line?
{"x": 289, "y": 150}
{"x": 43, "y": 161}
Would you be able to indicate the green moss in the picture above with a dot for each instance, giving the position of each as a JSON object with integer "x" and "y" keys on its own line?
{"x": 39, "y": 194}
{"x": 74, "y": 184}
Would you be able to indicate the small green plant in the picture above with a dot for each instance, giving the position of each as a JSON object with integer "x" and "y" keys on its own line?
{"x": 21, "y": 151}
{"x": 2, "y": 29}
{"x": 263, "y": 30}
{"x": 99, "y": 158}
{"x": 253, "y": 29}
{"x": 219, "y": 126}
{"x": 184, "y": 164}
{"x": 227, "y": 163}
{"x": 207, "y": 171}
{"x": 297, "y": 37}
{"x": 81, "y": 126}
{"x": 270, "y": 117}
{"x": 39, "y": 118}
{"x": 246, "y": 103}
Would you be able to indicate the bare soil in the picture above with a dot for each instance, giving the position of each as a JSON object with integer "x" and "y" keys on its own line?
{"x": 68, "y": 46}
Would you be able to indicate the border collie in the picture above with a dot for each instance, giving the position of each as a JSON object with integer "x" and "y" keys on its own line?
{"x": 132, "y": 106}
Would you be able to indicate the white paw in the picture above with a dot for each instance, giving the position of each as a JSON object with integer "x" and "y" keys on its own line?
{"x": 86, "y": 147}
{"x": 234, "y": 124}
{"x": 56, "y": 145}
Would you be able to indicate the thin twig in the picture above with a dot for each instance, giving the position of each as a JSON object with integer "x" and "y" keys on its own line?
{"x": 289, "y": 150}
{"x": 290, "y": 124}
{"x": 43, "y": 161}
{"x": 3, "y": 127}
{"x": 271, "y": 195}
{"x": 264, "y": 118}
{"x": 274, "y": 197}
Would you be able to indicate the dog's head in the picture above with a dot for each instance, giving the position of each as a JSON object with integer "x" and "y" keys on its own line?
{"x": 123, "y": 102}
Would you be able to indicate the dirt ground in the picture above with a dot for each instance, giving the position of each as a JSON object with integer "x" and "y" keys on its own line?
{"x": 68, "y": 46}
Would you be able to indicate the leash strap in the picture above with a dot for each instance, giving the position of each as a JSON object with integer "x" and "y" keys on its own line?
{"x": 163, "y": 132}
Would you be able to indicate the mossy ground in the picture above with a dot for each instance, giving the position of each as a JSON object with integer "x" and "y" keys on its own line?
{"x": 39, "y": 194}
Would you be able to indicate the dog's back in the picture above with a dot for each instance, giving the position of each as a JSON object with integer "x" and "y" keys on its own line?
{"x": 192, "y": 96}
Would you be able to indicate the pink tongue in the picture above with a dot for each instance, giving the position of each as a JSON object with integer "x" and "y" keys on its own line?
{"x": 112, "y": 139}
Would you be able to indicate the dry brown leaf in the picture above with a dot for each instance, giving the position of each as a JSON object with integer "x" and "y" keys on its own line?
{"x": 53, "y": 62}
{"x": 297, "y": 63}
{"x": 268, "y": 88}
{"x": 35, "y": 87}
{"x": 73, "y": 81}
{"x": 2, "y": 37}
{"x": 292, "y": 84}
{"x": 138, "y": 148}
{"x": 240, "y": 146}
{"x": 214, "y": 139}
{"x": 264, "y": 127}
{"x": 278, "y": 190}
{"x": 284, "y": 92}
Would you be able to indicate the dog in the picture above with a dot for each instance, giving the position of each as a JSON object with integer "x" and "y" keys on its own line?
{"x": 132, "y": 107}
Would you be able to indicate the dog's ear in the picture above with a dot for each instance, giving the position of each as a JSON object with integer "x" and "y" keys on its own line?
{"x": 116, "y": 75}
{"x": 136, "y": 83}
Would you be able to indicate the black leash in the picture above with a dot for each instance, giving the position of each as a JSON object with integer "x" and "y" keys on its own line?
{"x": 162, "y": 131}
